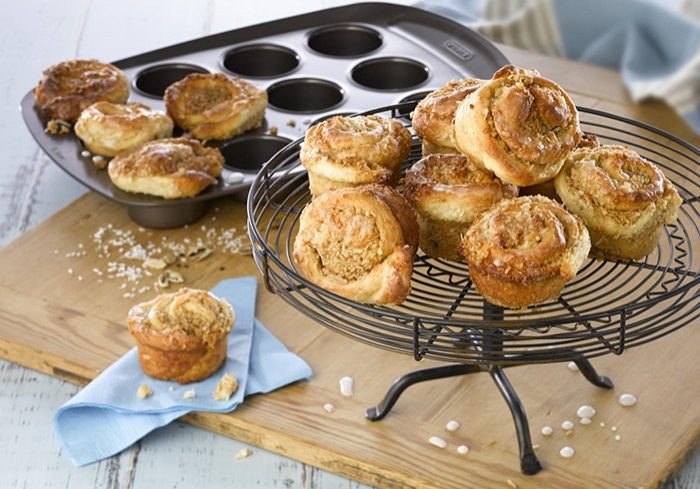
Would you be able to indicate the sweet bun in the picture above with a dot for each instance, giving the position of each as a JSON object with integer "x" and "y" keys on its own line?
{"x": 350, "y": 151}
{"x": 449, "y": 192}
{"x": 182, "y": 336}
{"x": 69, "y": 87}
{"x": 518, "y": 125}
{"x": 623, "y": 199}
{"x": 172, "y": 168}
{"x": 106, "y": 128}
{"x": 524, "y": 250}
{"x": 215, "y": 105}
{"x": 433, "y": 116}
{"x": 359, "y": 243}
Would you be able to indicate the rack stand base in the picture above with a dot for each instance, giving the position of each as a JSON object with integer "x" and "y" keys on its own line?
{"x": 529, "y": 464}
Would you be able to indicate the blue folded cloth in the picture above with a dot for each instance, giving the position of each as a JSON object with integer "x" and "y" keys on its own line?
{"x": 656, "y": 49}
{"x": 107, "y": 416}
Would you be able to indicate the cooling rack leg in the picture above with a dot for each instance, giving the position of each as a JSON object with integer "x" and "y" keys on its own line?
{"x": 529, "y": 464}
{"x": 405, "y": 381}
{"x": 591, "y": 375}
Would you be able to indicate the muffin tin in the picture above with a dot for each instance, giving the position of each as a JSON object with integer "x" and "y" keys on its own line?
{"x": 339, "y": 60}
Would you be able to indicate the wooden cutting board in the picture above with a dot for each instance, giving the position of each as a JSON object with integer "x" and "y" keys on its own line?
{"x": 71, "y": 325}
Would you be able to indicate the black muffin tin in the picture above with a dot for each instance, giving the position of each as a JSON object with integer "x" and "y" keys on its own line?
{"x": 340, "y": 60}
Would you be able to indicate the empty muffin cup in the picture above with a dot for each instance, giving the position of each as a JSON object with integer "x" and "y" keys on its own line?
{"x": 260, "y": 60}
{"x": 414, "y": 97}
{"x": 390, "y": 73}
{"x": 304, "y": 95}
{"x": 154, "y": 80}
{"x": 248, "y": 154}
{"x": 344, "y": 40}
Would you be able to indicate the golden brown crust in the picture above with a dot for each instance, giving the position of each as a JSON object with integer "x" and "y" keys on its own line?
{"x": 171, "y": 168}
{"x": 69, "y": 87}
{"x": 181, "y": 336}
{"x": 107, "y": 129}
{"x": 359, "y": 243}
{"x": 215, "y": 105}
{"x": 448, "y": 193}
{"x": 518, "y": 125}
{"x": 350, "y": 151}
{"x": 523, "y": 250}
{"x": 623, "y": 199}
{"x": 428, "y": 148}
{"x": 432, "y": 119}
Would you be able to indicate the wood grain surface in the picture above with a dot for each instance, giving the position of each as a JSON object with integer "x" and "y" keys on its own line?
{"x": 181, "y": 456}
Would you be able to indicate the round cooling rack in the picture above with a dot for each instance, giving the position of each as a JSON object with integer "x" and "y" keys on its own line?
{"x": 609, "y": 306}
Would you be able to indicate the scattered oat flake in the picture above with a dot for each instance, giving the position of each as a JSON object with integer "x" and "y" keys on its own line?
{"x": 627, "y": 400}
{"x": 437, "y": 441}
{"x": 463, "y": 449}
{"x": 585, "y": 421}
{"x": 572, "y": 366}
{"x": 567, "y": 452}
{"x": 328, "y": 407}
{"x": 618, "y": 438}
{"x": 189, "y": 394}
{"x": 85, "y": 153}
{"x": 585, "y": 411}
{"x": 452, "y": 425}
{"x": 144, "y": 391}
{"x": 614, "y": 428}
{"x": 346, "y": 386}
{"x": 511, "y": 484}
{"x": 547, "y": 430}
{"x": 227, "y": 386}
{"x": 171, "y": 388}
{"x": 243, "y": 453}
{"x": 567, "y": 425}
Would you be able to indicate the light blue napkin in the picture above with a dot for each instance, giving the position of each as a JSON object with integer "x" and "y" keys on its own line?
{"x": 655, "y": 47}
{"x": 107, "y": 416}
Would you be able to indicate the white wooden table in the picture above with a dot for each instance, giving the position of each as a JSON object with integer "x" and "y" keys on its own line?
{"x": 33, "y": 35}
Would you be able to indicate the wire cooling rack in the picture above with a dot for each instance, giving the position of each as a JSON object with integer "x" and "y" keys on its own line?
{"x": 608, "y": 307}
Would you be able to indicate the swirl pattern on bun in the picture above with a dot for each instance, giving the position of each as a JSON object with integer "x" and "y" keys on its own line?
{"x": 524, "y": 250}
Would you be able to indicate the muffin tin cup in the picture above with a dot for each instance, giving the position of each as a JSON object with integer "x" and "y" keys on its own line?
{"x": 260, "y": 60}
{"x": 153, "y": 81}
{"x": 344, "y": 41}
{"x": 338, "y": 60}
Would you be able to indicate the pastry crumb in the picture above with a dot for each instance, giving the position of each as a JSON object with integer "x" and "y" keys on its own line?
{"x": 144, "y": 391}
{"x": 190, "y": 394}
{"x": 57, "y": 127}
{"x": 274, "y": 130}
{"x": 227, "y": 386}
{"x": 511, "y": 484}
{"x": 243, "y": 453}
{"x": 292, "y": 123}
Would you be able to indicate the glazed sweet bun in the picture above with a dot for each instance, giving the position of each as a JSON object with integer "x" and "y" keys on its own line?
{"x": 69, "y": 87}
{"x": 359, "y": 243}
{"x": 623, "y": 199}
{"x": 106, "y": 128}
{"x": 350, "y": 151}
{"x": 215, "y": 105}
{"x": 172, "y": 168}
{"x": 518, "y": 125}
{"x": 524, "y": 250}
{"x": 181, "y": 336}
{"x": 433, "y": 116}
{"x": 448, "y": 193}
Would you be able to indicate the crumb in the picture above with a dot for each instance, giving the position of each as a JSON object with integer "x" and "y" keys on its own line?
{"x": 243, "y": 453}
{"x": 535, "y": 447}
{"x": 144, "y": 391}
{"x": 328, "y": 407}
{"x": 491, "y": 443}
{"x": 306, "y": 122}
{"x": 273, "y": 130}
{"x": 171, "y": 388}
{"x": 225, "y": 388}
{"x": 57, "y": 127}
{"x": 292, "y": 123}
{"x": 99, "y": 162}
{"x": 190, "y": 394}
{"x": 511, "y": 484}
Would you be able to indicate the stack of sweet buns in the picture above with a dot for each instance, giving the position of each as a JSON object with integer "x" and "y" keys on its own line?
{"x": 484, "y": 142}
{"x": 92, "y": 96}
